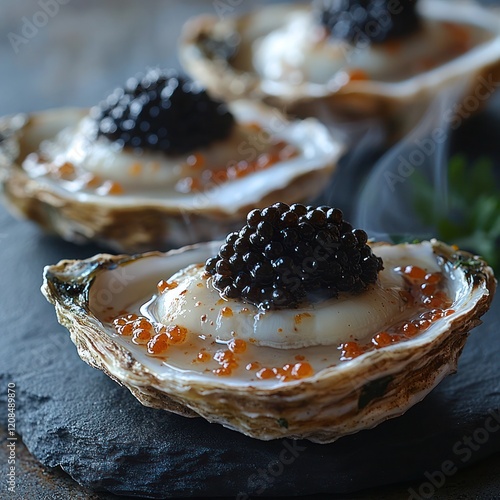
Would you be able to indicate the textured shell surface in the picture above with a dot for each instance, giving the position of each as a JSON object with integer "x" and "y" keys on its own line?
{"x": 149, "y": 212}
{"x": 339, "y": 396}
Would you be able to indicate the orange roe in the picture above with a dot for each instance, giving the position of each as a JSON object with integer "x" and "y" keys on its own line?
{"x": 301, "y": 370}
{"x": 158, "y": 344}
{"x": 351, "y": 350}
{"x": 144, "y": 324}
{"x": 223, "y": 371}
{"x": 227, "y": 312}
{"x": 381, "y": 340}
{"x": 93, "y": 181}
{"x": 357, "y": 75}
{"x": 166, "y": 285}
{"x": 141, "y": 336}
{"x": 65, "y": 170}
{"x": 265, "y": 373}
{"x": 254, "y": 365}
{"x": 135, "y": 169}
{"x": 126, "y": 330}
{"x": 237, "y": 346}
{"x": 176, "y": 334}
{"x": 196, "y": 160}
{"x": 414, "y": 273}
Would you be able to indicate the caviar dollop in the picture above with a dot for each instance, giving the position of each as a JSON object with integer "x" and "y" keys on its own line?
{"x": 359, "y": 21}
{"x": 163, "y": 111}
{"x": 289, "y": 255}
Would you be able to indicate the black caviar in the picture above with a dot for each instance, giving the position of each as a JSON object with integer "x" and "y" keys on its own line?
{"x": 163, "y": 111}
{"x": 288, "y": 255}
{"x": 361, "y": 21}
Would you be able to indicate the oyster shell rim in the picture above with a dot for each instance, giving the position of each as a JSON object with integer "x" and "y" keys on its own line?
{"x": 358, "y": 97}
{"x": 238, "y": 412}
{"x": 128, "y": 227}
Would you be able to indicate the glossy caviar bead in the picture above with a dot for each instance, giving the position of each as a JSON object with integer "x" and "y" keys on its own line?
{"x": 362, "y": 21}
{"x": 162, "y": 111}
{"x": 288, "y": 255}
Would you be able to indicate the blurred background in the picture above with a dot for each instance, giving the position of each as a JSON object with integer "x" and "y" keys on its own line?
{"x": 84, "y": 49}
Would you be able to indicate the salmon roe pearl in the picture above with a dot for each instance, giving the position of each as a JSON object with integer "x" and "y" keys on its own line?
{"x": 265, "y": 373}
{"x": 433, "y": 278}
{"x": 141, "y": 336}
{"x": 410, "y": 329}
{"x": 223, "y": 371}
{"x": 126, "y": 329}
{"x": 120, "y": 321}
{"x": 176, "y": 334}
{"x": 381, "y": 340}
{"x": 237, "y": 346}
{"x": 143, "y": 324}
{"x": 158, "y": 344}
{"x": 415, "y": 272}
{"x": 351, "y": 350}
{"x": 301, "y": 370}
{"x": 428, "y": 289}
{"x": 254, "y": 365}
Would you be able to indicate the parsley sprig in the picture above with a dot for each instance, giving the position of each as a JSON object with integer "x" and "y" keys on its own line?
{"x": 472, "y": 218}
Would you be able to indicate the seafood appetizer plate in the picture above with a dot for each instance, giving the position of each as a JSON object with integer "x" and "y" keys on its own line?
{"x": 158, "y": 164}
{"x": 292, "y": 327}
{"x": 336, "y": 58}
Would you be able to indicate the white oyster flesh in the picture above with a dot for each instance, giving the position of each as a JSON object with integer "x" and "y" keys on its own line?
{"x": 314, "y": 333}
{"x": 298, "y": 52}
{"x": 152, "y": 177}
{"x": 197, "y": 306}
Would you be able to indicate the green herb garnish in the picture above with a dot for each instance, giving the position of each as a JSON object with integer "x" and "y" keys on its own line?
{"x": 471, "y": 219}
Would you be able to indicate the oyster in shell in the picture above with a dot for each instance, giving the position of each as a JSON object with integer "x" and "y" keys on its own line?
{"x": 155, "y": 323}
{"x": 54, "y": 171}
{"x": 282, "y": 55}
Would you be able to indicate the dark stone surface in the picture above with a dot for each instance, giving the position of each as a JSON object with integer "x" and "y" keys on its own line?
{"x": 74, "y": 417}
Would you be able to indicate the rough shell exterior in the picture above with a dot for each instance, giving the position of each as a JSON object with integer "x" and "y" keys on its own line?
{"x": 124, "y": 226}
{"x": 337, "y": 401}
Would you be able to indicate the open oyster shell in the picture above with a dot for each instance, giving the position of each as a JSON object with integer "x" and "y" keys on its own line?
{"x": 399, "y": 100}
{"x": 156, "y": 219}
{"x": 341, "y": 398}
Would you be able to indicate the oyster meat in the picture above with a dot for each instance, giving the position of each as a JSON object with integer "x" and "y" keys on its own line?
{"x": 321, "y": 369}
{"x": 56, "y": 170}
{"x": 281, "y": 54}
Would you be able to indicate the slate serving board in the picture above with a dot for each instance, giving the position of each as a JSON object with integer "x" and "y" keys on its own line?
{"x": 74, "y": 416}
